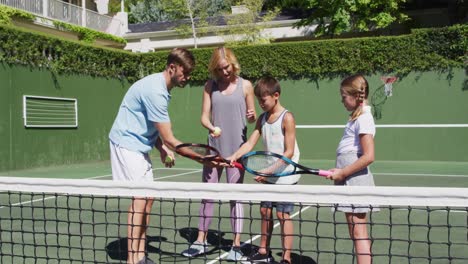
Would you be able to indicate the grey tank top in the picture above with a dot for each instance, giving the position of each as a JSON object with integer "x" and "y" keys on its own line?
{"x": 228, "y": 113}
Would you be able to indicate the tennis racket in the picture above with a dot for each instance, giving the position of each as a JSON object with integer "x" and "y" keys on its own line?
{"x": 269, "y": 164}
{"x": 202, "y": 153}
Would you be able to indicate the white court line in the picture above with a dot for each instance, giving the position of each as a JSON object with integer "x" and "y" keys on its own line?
{"x": 96, "y": 177}
{"x": 170, "y": 176}
{"x": 390, "y": 126}
{"x": 420, "y": 174}
{"x": 255, "y": 237}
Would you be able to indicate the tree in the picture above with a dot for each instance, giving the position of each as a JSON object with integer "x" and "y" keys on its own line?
{"x": 246, "y": 28}
{"x": 145, "y": 11}
{"x": 334, "y": 17}
{"x": 196, "y": 12}
{"x": 114, "y": 5}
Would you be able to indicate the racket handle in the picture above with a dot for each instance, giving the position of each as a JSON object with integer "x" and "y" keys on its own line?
{"x": 238, "y": 165}
{"x": 324, "y": 173}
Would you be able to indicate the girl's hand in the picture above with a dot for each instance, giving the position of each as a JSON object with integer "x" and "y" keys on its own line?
{"x": 337, "y": 175}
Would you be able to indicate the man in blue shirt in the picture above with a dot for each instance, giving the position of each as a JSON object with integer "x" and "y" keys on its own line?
{"x": 143, "y": 123}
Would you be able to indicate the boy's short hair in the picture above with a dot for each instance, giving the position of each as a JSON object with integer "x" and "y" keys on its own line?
{"x": 267, "y": 86}
{"x": 182, "y": 57}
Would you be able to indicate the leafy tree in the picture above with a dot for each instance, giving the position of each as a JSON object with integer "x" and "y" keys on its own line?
{"x": 334, "y": 17}
{"x": 196, "y": 12}
{"x": 147, "y": 11}
{"x": 114, "y": 5}
{"x": 143, "y": 11}
{"x": 285, "y": 4}
{"x": 246, "y": 28}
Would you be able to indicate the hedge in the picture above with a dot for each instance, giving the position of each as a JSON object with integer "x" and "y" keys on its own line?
{"x": 422, "y": 50}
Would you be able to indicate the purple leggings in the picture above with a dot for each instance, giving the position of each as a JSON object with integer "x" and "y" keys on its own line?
{"x": 212, "y": 175}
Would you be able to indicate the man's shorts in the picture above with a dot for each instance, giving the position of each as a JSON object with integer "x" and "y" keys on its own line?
{"x": 130, "y": 165}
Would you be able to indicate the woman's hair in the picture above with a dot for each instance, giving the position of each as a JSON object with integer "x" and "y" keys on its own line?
{"x": 219, "y": 54}
{"x": 182, "y": 57}
{"x": 356, "y": 85}
{"x": 267, "y": 86}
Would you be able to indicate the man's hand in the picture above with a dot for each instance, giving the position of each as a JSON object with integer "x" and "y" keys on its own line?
{"x": 167, "y": 156}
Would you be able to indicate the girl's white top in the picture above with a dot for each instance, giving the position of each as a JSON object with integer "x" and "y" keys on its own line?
{"x": 350, "y": 141}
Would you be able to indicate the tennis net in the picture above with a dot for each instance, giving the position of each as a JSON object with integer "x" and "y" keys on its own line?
{"x": 85, "y": 221}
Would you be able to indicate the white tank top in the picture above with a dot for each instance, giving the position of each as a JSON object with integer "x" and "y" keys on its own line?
{"x": 273, "y": 140}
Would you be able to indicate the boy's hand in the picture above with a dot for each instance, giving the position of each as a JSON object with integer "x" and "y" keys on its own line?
{"x": 260, "y": 179}
{"x": 218, "y": 162}
{"x": 231, "y": 161}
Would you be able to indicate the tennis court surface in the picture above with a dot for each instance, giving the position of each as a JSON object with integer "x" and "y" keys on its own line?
{"x": 75, "y": 214}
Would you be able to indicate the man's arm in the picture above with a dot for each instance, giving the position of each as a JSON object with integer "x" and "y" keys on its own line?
{"x": 166, "y": 135}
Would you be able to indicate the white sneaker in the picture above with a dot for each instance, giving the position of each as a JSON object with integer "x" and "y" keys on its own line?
{"x": 235, "y": 254}
{"x": 197, "y": 248}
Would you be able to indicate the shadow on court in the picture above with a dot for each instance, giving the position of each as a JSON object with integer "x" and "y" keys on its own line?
{"x": 297, "y": 259}
{"x": 117, "y": 250}
{"x": 215, "y": 238}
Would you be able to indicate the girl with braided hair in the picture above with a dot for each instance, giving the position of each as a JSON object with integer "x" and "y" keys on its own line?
{"x": 355, "y": 153}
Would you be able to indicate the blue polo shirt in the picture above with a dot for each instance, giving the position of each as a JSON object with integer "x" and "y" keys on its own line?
{"x": 145, "y": 103}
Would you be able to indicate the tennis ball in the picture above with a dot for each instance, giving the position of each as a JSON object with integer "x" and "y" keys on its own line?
{"x": 217, "y": 131}
{"x": 168, "y": 159}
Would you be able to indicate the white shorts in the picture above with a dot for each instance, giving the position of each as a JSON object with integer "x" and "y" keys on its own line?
{"x": 363, "y": 177}
{"x": 130, "y": 165}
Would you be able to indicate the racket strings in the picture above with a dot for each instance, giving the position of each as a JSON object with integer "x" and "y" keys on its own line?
{"x": 198, "y": 152}
{"x": 267, "y": 164}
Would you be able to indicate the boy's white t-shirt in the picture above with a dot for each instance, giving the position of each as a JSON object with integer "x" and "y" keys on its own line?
{"x": 350, "y": 141}
{"x": 273, "y": 140}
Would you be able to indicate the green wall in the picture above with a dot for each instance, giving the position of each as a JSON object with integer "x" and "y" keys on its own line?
{"x": 98, "y": 101}
{"x": 419, "y": 98}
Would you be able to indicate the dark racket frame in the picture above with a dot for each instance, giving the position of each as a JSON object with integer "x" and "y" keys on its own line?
{"x": 256, "y": 161}
{"x": 202, "y": 152}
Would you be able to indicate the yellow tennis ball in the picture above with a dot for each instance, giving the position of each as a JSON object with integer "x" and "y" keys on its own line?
{"x": 217, "y": 131}
{"x": 168, "y": 159}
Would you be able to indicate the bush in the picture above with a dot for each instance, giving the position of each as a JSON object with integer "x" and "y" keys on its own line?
{"x": 422, "y": 50}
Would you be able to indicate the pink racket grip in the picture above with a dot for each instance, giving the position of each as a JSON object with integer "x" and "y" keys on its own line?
{"x": 325, "y": 173}
{"x": 238, "y": 165}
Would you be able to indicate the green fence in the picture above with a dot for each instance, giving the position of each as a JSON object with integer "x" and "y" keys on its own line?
{"x": 425, "y": 119}
{"x": 22, "y": 147}
{"x": 431, "y": 106}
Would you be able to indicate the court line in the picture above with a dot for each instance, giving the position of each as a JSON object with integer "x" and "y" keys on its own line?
{"x": 158, "y": 178}
{"x": 420, "y": 174}
{"x": 95, "y": 177}
{"x": 390, "y": 126}
{"x": 256, "y": 237}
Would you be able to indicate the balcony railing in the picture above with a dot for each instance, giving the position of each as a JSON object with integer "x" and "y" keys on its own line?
{"x": 58, "y": 10}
